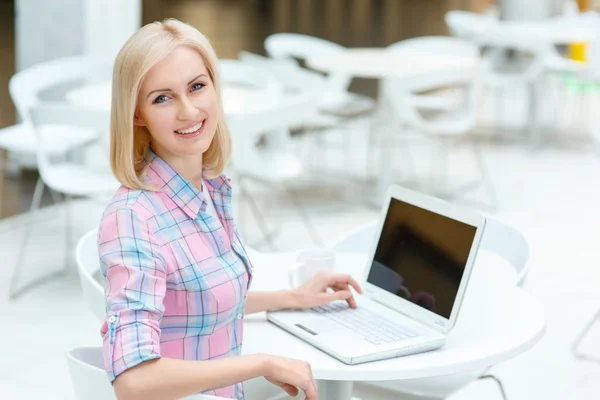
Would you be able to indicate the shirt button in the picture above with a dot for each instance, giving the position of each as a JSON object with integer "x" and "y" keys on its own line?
{"x": 239, "y": 316}
{"x": 112, "y": 319}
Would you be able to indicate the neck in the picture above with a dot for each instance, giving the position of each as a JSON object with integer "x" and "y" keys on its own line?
{"x": 190, "y": 167}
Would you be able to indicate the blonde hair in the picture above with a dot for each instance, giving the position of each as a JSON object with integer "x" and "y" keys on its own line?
{"x": 129, "y": 143}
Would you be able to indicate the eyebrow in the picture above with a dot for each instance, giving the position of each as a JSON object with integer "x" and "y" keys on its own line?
{"x": 168, "y": 90}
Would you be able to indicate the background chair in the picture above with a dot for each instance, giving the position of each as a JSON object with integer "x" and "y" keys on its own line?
{"x": 408, "y": 100}
{"x": 66, "y": 177}
{"x": 47, "y": 79}
{"x": 90, "y": 277}
{"x": 89, "y": 379}
{"x": 273, "y": 164}
{"x": 498, "y": 238}
{"x": 338, "y": 108}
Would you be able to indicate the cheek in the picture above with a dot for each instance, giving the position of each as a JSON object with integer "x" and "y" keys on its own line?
{"x": 158, "y": 121}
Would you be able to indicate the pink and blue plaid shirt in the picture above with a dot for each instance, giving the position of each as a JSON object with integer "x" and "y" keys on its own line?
{"x": 176, "y": 278}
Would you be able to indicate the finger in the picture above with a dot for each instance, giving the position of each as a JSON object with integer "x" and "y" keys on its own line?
{"x": 333, "y": 296}
{"x": 344, "y": 278}
{"x": 351, "y": 302}
{"x": 310, "y": 390}
{"x": 290, "y": 389}
{"x": 344, "y": 286}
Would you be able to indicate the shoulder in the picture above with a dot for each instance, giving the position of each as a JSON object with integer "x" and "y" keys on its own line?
{"x": 143, "y": 204}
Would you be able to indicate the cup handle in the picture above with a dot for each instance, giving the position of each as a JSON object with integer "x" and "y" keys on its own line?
{"x": 292, "y": 274}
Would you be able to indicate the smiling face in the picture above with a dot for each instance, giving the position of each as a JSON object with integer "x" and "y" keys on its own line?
{"x": 178, "y": 104}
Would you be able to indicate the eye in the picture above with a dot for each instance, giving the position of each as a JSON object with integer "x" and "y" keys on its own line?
{"x": 160, "y": 99}
{"x": 197, "y": 86}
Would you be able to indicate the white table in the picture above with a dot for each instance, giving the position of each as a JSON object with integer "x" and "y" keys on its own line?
{"x": 560, "y": 30}
{"x": 498, "y": 321}
{"x": 380, "y": 62}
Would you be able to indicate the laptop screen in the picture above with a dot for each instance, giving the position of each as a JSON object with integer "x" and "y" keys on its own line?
{"x": 421, "y": 256}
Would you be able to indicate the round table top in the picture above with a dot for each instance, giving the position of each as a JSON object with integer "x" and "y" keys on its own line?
{"x": 381, "y": 62}
{"x": 497, "y": 321}
{"x": 559, "y": 30}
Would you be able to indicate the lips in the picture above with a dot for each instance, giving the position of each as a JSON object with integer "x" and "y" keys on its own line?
{"x": 191, "y": 129}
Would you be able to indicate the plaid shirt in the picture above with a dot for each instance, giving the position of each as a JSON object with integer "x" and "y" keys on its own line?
{"x": 176, "y": 278}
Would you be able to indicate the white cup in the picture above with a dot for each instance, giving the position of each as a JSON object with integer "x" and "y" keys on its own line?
{"x": 309, "y": 262}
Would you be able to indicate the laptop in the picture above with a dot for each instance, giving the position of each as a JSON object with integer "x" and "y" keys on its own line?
{"x": 418, "y": 269}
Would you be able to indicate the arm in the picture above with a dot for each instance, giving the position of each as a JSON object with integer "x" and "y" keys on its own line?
{"x": 321, "y": 289}
{"x": 270, "y": 301}
{"x": 166, "y": 379}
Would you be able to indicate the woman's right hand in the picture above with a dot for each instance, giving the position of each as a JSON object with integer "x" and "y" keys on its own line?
{"x": 291, "y": 375}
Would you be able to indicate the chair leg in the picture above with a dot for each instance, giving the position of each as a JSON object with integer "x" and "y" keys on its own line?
{"x": 581, "y": 336}
{"x": 307, "y": 222}
{"x": 486, "y": 179}
{"x": 68, "y": 232}
{"x": 3, "y": 165}
{"x": 260, "y": 220}
{"x": 14, "y": 291}
{"x": 499, "y": 382}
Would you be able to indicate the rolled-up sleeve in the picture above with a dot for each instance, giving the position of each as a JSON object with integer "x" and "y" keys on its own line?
{"x": 135, "y": 284}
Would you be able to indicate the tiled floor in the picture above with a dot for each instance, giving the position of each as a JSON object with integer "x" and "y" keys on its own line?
{"x": 550, "y": 194}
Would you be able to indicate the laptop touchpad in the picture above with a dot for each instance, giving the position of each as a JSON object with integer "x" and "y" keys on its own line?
{"x": 318, "y": 326}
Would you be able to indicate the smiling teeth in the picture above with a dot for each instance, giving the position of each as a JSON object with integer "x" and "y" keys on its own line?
{"x": 190, "y": 130}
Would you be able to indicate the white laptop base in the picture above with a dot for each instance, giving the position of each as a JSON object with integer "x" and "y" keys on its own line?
{"x": 352, "y": 347}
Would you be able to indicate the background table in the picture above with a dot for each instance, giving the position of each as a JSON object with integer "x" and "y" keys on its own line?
{"x": 497, "y": 322}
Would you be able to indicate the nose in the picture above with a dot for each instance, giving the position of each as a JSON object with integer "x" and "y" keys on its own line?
{"x": 187, "y": 110}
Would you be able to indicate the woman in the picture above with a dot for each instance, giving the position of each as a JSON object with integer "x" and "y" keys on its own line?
{"x": 177, "y": 273}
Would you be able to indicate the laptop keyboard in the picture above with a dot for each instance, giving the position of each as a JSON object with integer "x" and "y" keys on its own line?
{"x": 372, "y": 327}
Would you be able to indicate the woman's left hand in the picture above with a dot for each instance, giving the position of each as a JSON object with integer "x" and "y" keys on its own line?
{"x": 315, "y": 292}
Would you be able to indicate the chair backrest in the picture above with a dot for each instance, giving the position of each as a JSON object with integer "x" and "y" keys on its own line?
{"x": 247, "y": 128}
{"x": 510, "y": 244}
{"x": 89, "y": 379}
{"x": 236, "y": 72}
{"x": 295, "y": 45}
{"x": 401, "y": 94}
{"x": 42, "y": 114}
{"x": 25, "y": 86}
{"x": 438, "y": 45}
{"x": 88, "y": 266}
{"x": 359, "y": 239}
{"x": 498, "y": 238}
{"x": 288, "y": 73}
{"x": 469, "y": 25}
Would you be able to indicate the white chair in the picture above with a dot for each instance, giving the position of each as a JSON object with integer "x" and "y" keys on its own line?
{"x": 335, "y": 100}
{"x": 25, "y": 89}
{"x": 405, "y": 98}
{"x": 448, "y": 99}
{"x": 273, "y": 164}
{"x": 89, "y": 379}
{"x": 359, "y": 239}
{"x": 68, "y": 178}
{"x": 88, "y": 268}
{"x": 498, "y": 238}
{"x": 469, "y": 25}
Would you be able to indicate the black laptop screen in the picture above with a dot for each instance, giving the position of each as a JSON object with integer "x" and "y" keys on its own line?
{"x": 421, "y": 256}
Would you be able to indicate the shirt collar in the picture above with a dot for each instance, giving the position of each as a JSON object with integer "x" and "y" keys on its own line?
{"x": 183, "y": 193}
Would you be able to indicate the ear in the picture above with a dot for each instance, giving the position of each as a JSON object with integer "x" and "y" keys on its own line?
{"x": 137, "y": 121}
